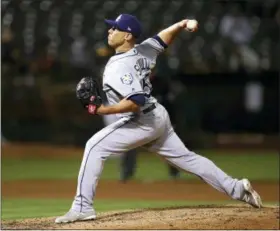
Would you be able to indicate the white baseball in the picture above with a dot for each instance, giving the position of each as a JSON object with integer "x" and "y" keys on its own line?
{"x": 192, "y": 24}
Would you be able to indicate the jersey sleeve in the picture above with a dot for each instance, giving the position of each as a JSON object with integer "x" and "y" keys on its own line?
{"x": 124, "y": 82}
{"x": 152, "y": 47}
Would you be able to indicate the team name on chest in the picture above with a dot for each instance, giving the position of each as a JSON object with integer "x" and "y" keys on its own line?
{"x": 142, "y": 65}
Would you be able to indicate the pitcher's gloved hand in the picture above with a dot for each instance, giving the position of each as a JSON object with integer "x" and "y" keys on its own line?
{"x": 88, "y": 92}
{"x": 95, "y": 103}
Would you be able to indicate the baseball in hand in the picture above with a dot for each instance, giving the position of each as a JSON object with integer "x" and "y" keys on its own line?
{"x": 191, "y": 25}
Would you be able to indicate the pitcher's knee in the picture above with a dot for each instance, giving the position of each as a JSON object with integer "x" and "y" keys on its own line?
{"x": 92, "y": 145}
{"x": 97, "y": 149}
{"x": 89, "y": 145}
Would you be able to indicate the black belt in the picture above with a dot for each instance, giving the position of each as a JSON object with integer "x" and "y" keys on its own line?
{"x": 149, "y": 109}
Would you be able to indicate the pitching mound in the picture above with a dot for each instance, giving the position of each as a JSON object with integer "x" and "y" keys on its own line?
{"x": 196, "y": 217}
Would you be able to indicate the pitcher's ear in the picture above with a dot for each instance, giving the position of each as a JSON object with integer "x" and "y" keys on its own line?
{"x": 128, "y": 37}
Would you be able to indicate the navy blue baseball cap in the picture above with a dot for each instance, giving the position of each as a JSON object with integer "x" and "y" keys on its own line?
{"x": 127, "y": 23}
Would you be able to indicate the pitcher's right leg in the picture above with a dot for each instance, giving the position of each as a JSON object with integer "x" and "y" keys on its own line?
{"x": 89, "y": 174}
{"x": 175, "y": 152}
{"x": 116, "y": 138}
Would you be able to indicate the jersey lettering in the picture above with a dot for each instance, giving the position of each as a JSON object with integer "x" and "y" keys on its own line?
{"x": 147, "y": 86}
{"x": 143, "y": 70}
{"x": 141, "y": 66}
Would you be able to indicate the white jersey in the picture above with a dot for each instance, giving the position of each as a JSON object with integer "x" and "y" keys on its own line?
{"x": 125, "y": 75}
{"x": 128, "y": 73}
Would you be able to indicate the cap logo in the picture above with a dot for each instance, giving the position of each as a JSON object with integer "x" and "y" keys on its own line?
{"x": 129, "y": 28}
{"x": 118, "y": 18}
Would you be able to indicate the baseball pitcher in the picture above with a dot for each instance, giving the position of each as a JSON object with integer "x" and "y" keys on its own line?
{"x": 142, "y": 120}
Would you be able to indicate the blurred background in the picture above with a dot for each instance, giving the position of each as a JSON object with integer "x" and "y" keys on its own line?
{"x": 220, "y": 86}
{"x": 222, "y": 79}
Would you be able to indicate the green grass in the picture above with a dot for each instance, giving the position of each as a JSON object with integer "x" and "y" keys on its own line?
{"x": 27, "y": 208}
{"x": 255, "y": 167}
{"x": 150, "y": 167}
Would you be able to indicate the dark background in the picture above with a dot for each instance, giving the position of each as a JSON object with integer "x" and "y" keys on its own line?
{"x": 223, "y": 79}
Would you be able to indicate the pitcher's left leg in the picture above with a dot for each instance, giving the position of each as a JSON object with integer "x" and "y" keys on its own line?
{"x": 175, "y": 152}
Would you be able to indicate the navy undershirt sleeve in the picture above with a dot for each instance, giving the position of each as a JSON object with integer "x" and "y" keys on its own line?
{"x": 139, "y": 99}
{"x": 156, "y": 37}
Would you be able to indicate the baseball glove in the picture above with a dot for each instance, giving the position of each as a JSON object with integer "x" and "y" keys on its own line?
{"x": 88, "y": 92}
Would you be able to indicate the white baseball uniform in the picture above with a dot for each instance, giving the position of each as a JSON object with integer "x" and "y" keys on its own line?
{"x": 127, "y": 74}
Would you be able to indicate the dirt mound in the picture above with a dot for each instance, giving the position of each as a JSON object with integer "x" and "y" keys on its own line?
{"x": 191, "y": 217}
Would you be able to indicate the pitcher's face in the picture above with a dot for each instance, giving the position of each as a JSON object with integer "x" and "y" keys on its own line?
{"x": 116, "y": 37}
